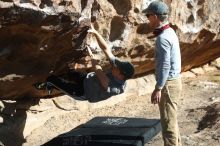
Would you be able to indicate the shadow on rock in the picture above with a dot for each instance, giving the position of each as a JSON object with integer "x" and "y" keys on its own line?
{"x": 211, "y": 118}
{"x": 13, "y": 116}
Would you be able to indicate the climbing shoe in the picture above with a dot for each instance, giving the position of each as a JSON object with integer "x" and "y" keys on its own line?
{"x": 40, "y": 86}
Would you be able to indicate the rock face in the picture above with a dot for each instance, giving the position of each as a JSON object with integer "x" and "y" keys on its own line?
{"x": 38, "y": 38}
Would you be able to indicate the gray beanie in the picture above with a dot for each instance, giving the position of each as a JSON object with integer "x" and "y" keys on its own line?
{"x": 157, "y": 7}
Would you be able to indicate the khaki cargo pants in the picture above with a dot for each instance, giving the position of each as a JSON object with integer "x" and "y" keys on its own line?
{"x": 170, "y": 95}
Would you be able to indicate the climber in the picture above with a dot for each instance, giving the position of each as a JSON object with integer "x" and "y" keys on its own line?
{"x": 97, "y": 85}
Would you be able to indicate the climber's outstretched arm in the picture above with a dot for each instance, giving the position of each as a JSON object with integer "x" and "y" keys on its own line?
{"x": 102, "y": 43}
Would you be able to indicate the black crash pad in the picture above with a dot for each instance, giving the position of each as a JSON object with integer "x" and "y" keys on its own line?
{"x": 109, "y": 131}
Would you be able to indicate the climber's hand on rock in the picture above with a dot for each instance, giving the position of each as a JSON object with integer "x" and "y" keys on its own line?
{"x": 92, "y": 30}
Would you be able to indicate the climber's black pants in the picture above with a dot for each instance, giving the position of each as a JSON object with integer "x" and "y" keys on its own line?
{"x": 72, "y": 88}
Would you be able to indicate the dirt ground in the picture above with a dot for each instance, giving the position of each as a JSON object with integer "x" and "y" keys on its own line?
{"x": 199, "y": 112}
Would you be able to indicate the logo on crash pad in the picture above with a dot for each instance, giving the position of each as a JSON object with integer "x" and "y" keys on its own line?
{"x": 115, "y": 121}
